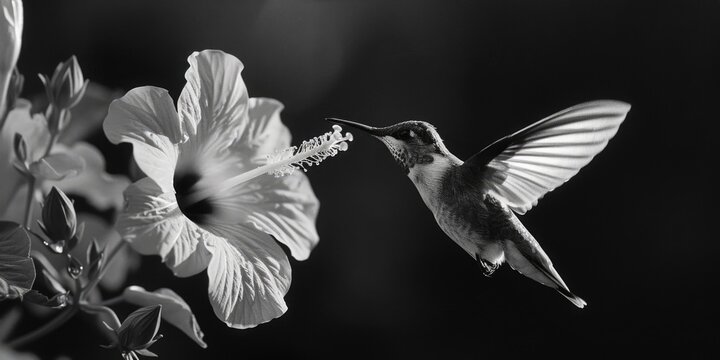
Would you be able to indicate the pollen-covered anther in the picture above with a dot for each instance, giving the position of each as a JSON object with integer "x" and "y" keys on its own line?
{"x": 311, "y": 152}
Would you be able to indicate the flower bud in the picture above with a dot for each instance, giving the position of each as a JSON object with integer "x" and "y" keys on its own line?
{"x": 59, "y": 221}
{"x": 139, "y": 330}
{"x": 15, "y": 87}
{"x": 57, "y": 118}
{"x": 20, "y": 148}
{"x": 94, "y": 259}
{"x": 11, "y": 28}
{"x": 66, "y": 86}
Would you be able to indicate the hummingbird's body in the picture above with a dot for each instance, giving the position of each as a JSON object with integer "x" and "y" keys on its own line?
{"x": 463, "y": 212}
{"x": 474, "y": 202}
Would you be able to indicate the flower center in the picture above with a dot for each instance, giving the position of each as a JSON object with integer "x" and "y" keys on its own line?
{"x": 281, "y": 163}
{"x": 195, "y": 210}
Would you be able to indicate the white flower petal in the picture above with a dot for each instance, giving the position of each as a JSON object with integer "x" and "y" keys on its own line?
{"x": 89, "y": 113}
{"x": 154, "y": 225}
{"x": 262, "y": 132}
{"x": 33, "y": 128}
{"x": 249, "y": 275}
{"x": 36, "y": 136}
{"x": 214, "y": 99}
{"x": 15, "y": 207}
{"x": 190, "y": 256}
{"x": 11, "y": 29}
{"x": 101, "y": 189}
{"x": 284, "y": 207}
{"x": 58, "y": 166}
{"x": 146, "y": 118}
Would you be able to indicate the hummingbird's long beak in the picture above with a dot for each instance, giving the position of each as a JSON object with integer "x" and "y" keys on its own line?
{"x": 374, "y": 131}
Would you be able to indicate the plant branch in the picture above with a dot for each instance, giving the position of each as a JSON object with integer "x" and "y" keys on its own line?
{"x": 47, "y": 328}
{"x": 51, "y": 143}
{"x": 29, "y": 202}
{"x": 105, "y": 267}
{"x": 111, "y": 301}
{"x": 100, "y": 310}
{"x": 55, "y": 323}
{"x": 31, "y": 186}
{"x": 8, "y": 322}
{"x": 4, "y": 111}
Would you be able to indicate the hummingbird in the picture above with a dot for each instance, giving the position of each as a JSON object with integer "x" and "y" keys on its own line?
{"x": 476, "y": 202}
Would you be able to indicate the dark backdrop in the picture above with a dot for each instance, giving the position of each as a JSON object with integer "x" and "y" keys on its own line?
{"x": 631, "y": 233}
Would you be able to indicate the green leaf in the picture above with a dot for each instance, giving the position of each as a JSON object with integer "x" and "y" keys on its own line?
{"x": 51, "y": 282}
{"x": 175, "y": 310}
{"x": 48, "y": 290}
{"x": 57, "y": 301}
{"x": 17, "y": 271}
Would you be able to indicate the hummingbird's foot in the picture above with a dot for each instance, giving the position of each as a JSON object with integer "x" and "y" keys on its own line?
{"x": 487, "y": 267}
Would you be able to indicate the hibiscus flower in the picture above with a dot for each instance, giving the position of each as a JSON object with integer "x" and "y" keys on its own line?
{"x": 221, "y": 186}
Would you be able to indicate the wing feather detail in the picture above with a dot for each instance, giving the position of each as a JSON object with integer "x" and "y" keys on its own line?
{"x": 522, "y": 167}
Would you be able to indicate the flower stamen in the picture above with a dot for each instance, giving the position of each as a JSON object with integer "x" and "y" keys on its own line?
{"x": 311, "y": 152}
{"x": 285, "y": 162}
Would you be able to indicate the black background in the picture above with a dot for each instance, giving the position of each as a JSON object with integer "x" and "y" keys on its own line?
{"x": 631, "y": 233}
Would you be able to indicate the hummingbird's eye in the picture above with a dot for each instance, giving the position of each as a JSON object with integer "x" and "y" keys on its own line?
{"x": 406, "y": 135}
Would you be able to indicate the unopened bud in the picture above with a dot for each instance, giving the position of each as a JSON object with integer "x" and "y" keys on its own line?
{"x": 20, "y": 148}
{"x": 59, "y": 221}
{"x": 94, "y": 259}
{"x": 139, "y": 330}
{"x": 66, "y": 86}
{"x": 57, "y": 118}
{"x": 15, "y": 87}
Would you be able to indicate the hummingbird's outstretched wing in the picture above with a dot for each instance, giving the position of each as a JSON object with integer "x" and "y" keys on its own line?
{"x": 522, "y": 167}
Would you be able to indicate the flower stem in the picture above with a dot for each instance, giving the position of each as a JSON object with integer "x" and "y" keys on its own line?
{"x": 105, "y": 267}
{"x": 8, "y": 322}
{"x": 99, "y": 309}
{"x": 52, "y": 325}
{"x": 51, "y": 143}
{"x": 31, "y": 186}
{"x": 112, "y": 301}
{"x": 47, "y": 328}
{"x": 4, "y": 111}
{"x": 29, "y": 202}
{"x": 67, "y": 314}
{"x": 3, "y": 116}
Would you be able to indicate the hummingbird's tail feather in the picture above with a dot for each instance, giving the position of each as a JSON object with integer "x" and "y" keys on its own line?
{"x": 576, "y": 300}
{"x": 529, "y": 259}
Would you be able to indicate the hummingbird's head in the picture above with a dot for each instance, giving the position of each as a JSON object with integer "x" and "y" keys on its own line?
{"x": 411, "y": 143}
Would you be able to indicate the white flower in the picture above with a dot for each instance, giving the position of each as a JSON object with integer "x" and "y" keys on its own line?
{"x": 11, "y": 28}
{"x": 209, "y": 200}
